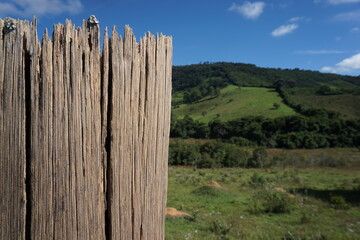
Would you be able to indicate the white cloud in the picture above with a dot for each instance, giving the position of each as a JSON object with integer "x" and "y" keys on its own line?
{"x": 352, "y": 62}
{"x": 317, "y": 52}
{"x": 345, "y": 66}
{"x": 327, "y": 69}
{"x": 298, "y": 19}
{"x": 348, "y": 16}
{"x": 26, "y": 8}
{"x": 284, "y": 30}
{"x": 248, "y": 9}
{"x": 355, "y": 30}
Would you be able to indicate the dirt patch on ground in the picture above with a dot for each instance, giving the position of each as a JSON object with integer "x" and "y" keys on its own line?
{"x": 214, "y": 184}
{"x": 291, "y": 195}
{"x": 279, "y": 189}
{"x": 175, "y": 213}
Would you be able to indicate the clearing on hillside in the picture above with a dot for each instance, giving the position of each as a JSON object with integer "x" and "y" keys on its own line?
{"x": 347, "y": 104}
{"x": 236, "y": 102}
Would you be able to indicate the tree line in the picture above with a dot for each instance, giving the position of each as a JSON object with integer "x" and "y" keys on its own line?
{"x": 317, "y": 128}
{"x": 249, "y": 75}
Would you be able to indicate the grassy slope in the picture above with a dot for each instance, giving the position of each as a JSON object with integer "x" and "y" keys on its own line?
{"x": 190, "y": 76}
{"x": 346, "y": 104}
{"x": 311, "y": 215}
{"x": 235, "y": 102}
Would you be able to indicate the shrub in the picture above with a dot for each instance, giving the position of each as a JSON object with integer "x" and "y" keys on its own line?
{"x": 259, "y": 159}
{"x": 330, "y": 161}
{"x": 220, "y": 229}
{"x": 277, "y": 202}
{"x": 235, "y": 157}
{"x": 181, "y": 153}
{"x": 257, "y": 180}
{"x": 274, "y": 201}
{"x": 206, "y": 162}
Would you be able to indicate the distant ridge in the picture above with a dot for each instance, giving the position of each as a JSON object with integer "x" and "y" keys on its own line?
{"x": 189, "y": 76}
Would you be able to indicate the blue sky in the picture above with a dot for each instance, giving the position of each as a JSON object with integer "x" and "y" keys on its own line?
{"x": 321, "y": 35}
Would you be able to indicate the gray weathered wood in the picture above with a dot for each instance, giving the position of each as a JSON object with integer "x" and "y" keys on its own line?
{"x": 12, "y": 135}
{"x": 83, "y": 133}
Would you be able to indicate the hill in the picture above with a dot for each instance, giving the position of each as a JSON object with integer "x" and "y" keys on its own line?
{"x": 200, "y": 90}
{"x": 186, "y": 77}
{"x": 235, "y": 102}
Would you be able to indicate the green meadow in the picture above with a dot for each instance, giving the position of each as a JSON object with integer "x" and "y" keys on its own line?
{"x": 235, "y": 102}
{"x": 282, "y": 202}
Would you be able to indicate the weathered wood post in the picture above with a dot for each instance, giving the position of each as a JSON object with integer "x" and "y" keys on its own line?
{"x": 84, "y": 133}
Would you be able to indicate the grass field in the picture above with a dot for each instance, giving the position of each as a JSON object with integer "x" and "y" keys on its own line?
{"x": 235, "y": 102}
{"x": 346, "y": 104}
{"x": 277, "y": 203}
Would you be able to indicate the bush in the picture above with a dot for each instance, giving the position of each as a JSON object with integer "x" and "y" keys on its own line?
{"x": 274, "y": 201}
{"x": 206, "y": 162}
{"x": 259, "y": 159}
{"x": 235, "y": 157}
{"x": 330, "y": 161}
{"x": 220, "y": 229}
{"x": 257, "y": 180}
{"x": 181, "y": 153}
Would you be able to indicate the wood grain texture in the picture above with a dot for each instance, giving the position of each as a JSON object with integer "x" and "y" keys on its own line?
{"x": 12, "y": 136}
{"x": 84, "y": 133}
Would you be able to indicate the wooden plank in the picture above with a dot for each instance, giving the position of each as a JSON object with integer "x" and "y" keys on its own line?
{"x": 159, "y": 166}
{"x": 68, "y": 178}
{"x": 42, "y": 221}
{"x": 126, "y": 168}
{"x": 135, "y": 142}
{"x": 94, "y": 197}
{"x": 12, "y": 138}
{"x": 167, "y": 117}
{"x": 116, "y": 78}
{"x": 104, "y": 112}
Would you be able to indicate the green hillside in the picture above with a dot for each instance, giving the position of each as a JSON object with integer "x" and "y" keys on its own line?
{"x": 202, "y": 82}
{"x": 186, "y": 77}
{"x": 235, "y": 102}
{"x": 347, "y": 104}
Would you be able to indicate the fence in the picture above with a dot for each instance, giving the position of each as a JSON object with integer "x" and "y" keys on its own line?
{"x": 84, "y": 133}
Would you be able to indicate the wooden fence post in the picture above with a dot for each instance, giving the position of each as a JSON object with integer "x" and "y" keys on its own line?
{"x": 84, "y": 133}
